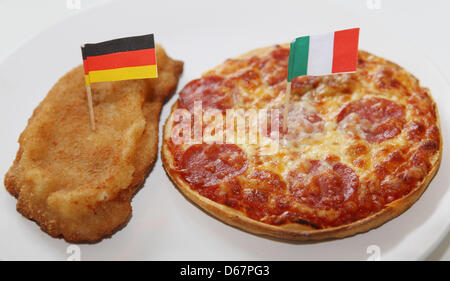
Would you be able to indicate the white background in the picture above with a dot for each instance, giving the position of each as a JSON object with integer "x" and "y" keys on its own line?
{"x": 424, "y": 23}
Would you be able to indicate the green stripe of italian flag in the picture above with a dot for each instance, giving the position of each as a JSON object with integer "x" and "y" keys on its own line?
{"x": 324, "y": 54}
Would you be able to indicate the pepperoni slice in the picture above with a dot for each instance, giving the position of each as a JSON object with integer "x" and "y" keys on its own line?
{"x": 264, "y": 195}
{"x": 205, "y": 165}
{"x": 210, "y": 90}
{"x": 415, "y": 130}
{"x": 324, "y": 185}
{"x": 249, "y": 79}
{"x": 267, "y": 180}
{"x": 400, "y": 171}
{"x": 378, "y": 119}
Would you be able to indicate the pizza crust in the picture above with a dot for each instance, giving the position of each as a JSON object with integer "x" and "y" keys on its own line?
{"x": 292, "y": 231}
{"x": 298, "y": 232}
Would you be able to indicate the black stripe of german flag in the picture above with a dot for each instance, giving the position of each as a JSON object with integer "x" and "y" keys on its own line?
{"x": 120, "y": 59}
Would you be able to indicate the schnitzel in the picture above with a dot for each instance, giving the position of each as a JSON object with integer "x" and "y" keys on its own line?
{"x": 77, "y": 183}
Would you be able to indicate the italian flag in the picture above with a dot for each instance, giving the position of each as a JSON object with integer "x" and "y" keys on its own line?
{"x": 324, "y": 54}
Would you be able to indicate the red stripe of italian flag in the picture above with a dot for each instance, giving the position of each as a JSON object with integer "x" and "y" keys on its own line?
{"x": 324, "y": 54}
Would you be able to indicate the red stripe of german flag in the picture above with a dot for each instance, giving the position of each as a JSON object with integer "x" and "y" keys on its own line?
{"x": 120, "y": 59}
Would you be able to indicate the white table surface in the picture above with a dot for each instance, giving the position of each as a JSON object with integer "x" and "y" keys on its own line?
{"x": 422, "y": 21}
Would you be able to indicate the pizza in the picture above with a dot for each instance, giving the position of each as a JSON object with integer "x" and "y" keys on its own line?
{"x": 356, "y": 149}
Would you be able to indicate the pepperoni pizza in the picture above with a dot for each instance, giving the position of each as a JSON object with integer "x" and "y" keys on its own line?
{"x": 358, "y": 149}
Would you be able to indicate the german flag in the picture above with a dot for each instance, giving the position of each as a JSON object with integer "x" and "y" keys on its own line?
{"x": 120, "y": 59}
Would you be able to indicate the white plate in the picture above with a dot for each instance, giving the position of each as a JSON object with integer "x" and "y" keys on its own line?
{"x": 204, "y": 33}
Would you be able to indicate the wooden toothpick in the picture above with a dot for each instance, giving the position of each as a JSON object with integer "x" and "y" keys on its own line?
{"x": 91, "y": 108}
{"x": 286, "y": 106}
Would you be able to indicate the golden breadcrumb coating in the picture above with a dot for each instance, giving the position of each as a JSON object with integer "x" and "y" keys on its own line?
{"x": 77, "y": 183}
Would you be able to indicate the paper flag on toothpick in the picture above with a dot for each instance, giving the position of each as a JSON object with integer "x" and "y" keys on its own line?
{"x": 324, "y": 54}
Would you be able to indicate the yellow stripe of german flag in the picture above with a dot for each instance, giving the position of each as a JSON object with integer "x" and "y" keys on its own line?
{"x": 124, "y": 73}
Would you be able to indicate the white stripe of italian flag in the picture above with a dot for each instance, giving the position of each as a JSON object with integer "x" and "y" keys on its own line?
{"x": 324, "y": 54}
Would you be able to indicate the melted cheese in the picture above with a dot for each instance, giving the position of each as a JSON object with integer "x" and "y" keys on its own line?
{"x": 326, "y": 137}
